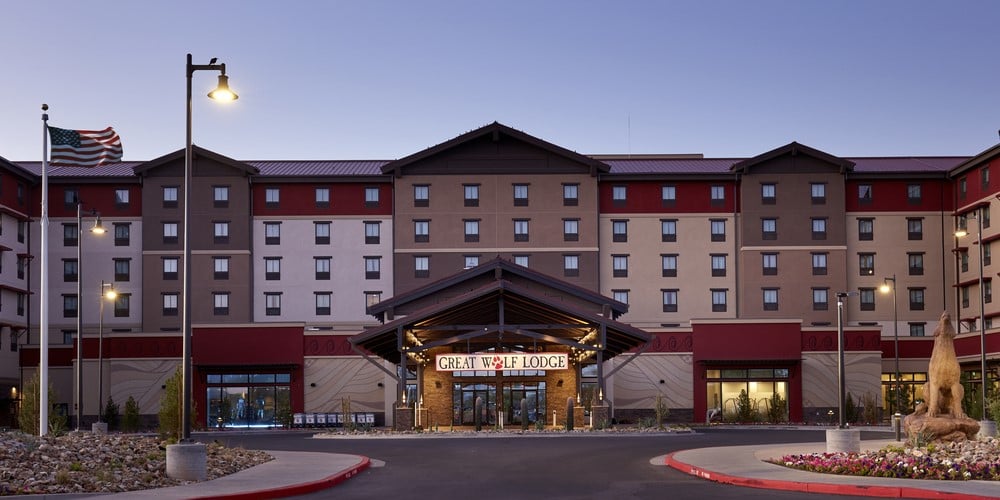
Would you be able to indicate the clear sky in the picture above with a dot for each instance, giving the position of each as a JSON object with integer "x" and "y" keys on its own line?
{"x": 375, "y": 79}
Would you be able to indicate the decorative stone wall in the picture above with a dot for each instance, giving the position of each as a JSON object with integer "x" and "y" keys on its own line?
{"x": 403, "y": 419}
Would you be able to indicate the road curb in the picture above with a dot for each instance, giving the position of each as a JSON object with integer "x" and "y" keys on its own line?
{"x": 298, "y": 489}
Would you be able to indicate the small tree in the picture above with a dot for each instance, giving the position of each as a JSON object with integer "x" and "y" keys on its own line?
{"x": 111, "y": 413}
{"x": 131, "y": 421}
{"x": 850, "y": 410}
{"x": 661, "y": 410}
{"x": 170, "y": 408}
{"x": 777, "y": 410}
{"x": 744, "y": 408}
{"x": 29, "y": 415}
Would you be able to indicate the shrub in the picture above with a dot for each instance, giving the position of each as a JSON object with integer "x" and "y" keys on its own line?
{"x": 131, "y": 421}
{"x": 744, "y": 408}
{"x": 777, "y": 410}
{"x": 29, "y": 415}
{"x": 170, "y": 408}
{"x": 661, "y": 410}
{"x": 111, "y": 413}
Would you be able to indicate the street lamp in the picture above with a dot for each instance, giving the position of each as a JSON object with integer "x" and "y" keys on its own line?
{"x": 107, "y": 293}
{"x": 895, "y": 339}
{"x": 97, "y": 229}
{"x": 841, "y": 381}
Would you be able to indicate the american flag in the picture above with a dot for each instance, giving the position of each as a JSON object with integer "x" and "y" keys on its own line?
{"x": 84, "y": 148}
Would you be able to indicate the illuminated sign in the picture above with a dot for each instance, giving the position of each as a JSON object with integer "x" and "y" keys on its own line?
{"x": 502, "y": 361}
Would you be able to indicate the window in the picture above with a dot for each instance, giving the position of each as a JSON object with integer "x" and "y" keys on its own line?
{"x": 668, "y": 230}
{"x": 471, "y": 261}
{"x": 669, "y": 265}
{"x": 421, "y": 266}
{"x": 520, "y": 195}
{"x": 69, "y": 305}
{"x": 322, "y": 267}
{"x": 22, "y": 228}
{"x": 571, "y": 195}
{"x": 421, "y": 195}
{"x": 820, "y": 302}
{"x": 122, "y": 234}
{"x": 121, "y": 198}
{"x": 819, "y": 263}
{"x": 914, "y": 228}
{"x": 22, "y": 265}
{"x": 965, "y": 297}
{"x": 916, "y": 299}
{"x": 520, "y": 229}
{"x": 913, "y": 194}
{"x": 767, "y": 196}
{"x": 220, "y": 302}
{"x": 670, "y": 300}
{"x": 322, "y": 197}
{"x": 866, "y": 299}
{"x": 71, "y": 270}
{"x": 571, "y": 265}
{"x": 986, "y": 217}
{"x": 718, "y": 265}
{"x": 371, "y": 197}
{"x": 471, "y": 194}
{"x": 571, "y": 229}
{"x": 221, "y": 232}
{"x": 770, "y": 264}
{"x": 770, "y": 299}
{"x": 122, "y": 269}
{"x": 272, "y": 197}
{"x": 917, "y": 329}
{"x": 220, "y": 196}
{"x": 769, "y": 229}
{"x": 866, "y": 264}
{"x": 272, "y": 304}
{"x": 620, "y": 296}
{"x": 619, "y": 266}
{"x": 373, "y": 266}
{"x": 718, "y": 229}
{"x": 71, "y": 234}
{"x": 618, "y": 195}
{"x": 669, "y": 195}
{"x": 984, "y": 177}
{"x": 718, "y": 195}
{"x": 70, "y": 197}
{"x": 169, "y": 267}
{"x": 619, "y": 231}
{"x": 220, "y": 267}
{"x": 21, "y": 299}
{"x": 421, "y": 231}
{"x": 718, "y": 300}
{"x": 323, "y": 301}
{"x": 521, "y": 260}
{"x": 471, "y": 230}
{"x": 963, "y": 257}
{"x": 915, "y": 263}
{"x": 122, "y": 305}
{"x": 819, "y": 228}
{"x": 322, "y": 232}
{"x": 818, "y": 193}
{"x": 373, "y": 232}
{"x": 20, "y": 201}
{"x": 272, "y": 233}
{"x": 963, "y": 188}
{"x": 866, "y": 229}
{"x": 987, "y": 253}
{"x": 169, "y": 304}
{"x": 987, "y": 291}
{"x": 864, "y": 194}
{"x": 170, "y": 232}
{"x": 372, "y": 298}
{"x": 272, "y": 268}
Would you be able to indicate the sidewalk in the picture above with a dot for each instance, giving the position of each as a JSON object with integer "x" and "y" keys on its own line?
{"x": 745, "y": 466}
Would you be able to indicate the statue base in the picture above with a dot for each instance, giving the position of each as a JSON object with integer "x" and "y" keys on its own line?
{"x": 946, "y": 429}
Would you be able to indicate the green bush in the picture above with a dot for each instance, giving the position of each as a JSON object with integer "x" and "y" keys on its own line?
{"x": 777, "y": 409}
{"x": 661, "y": 410}
{"x": 745, "y": 411}
{"x": 130, "y": 423}
{"x": 29, "y": 415}
{"x": 170, "y": 408}
{"x": 112, "y": 414}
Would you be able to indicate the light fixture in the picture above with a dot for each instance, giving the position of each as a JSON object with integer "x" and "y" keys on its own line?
{"x": 222, "y": 91}
{"x": 98, "y": 227}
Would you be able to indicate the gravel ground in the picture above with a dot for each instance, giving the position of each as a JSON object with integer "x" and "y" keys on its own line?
{"x": 84, "y": 462}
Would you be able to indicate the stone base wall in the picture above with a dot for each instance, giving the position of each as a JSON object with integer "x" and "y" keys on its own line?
{"x": 403, "y": 419}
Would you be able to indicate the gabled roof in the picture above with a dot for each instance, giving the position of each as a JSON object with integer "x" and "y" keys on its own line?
{"x": 794, "y": 149}
{"x": 495, "y": 129}
{"x": 975, "y": 161}
{"x": 196, "y": 152}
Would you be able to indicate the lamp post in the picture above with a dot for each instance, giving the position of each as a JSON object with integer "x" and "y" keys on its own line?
{"x": 841, "y": 381}
{"x": 97, "y": 229}
{"x": 895, "y": 340}
{"x": 107, "y": 293}
{"x": 986, "y": 426}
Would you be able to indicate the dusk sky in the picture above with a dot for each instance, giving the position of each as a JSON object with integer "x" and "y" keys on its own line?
{"x": 385, "y": 79}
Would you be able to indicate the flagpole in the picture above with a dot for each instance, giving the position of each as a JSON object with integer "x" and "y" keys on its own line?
{"x": 43, "y": 305}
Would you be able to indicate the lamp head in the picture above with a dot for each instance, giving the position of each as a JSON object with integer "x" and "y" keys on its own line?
{"x": 110, "y": 292}
{"x": 222, "y": 91}
{"x": 884, "y": 288}
{"x": 98, "y": 227}
{"x": 961, "y": 233}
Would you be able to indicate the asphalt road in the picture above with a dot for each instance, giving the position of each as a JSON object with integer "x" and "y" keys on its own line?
{"x": 523, "y": 467}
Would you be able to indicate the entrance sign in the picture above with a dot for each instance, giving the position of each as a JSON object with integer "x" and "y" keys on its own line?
{"x": 502, "y": 361}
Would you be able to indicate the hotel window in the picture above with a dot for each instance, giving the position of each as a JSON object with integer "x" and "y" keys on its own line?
{"x": 122, "y": 234}
{"x": 819, "y": 228}
{"x": 866, "y": 229}
{"x": 20, "y": 201}
{"x": 668, "y": 230}
{"x": 220, "y": 268}
{"x": 719, "y": 300}
{"x": 718, "y": 265}
{"x": 272, "y": 304}
{"x": 520, "y": 195}
{"x": 571, "y": 265}
{"x": 914, "y": 194}
{"x": 272, "y": 197}
{"x": 70, "y": 197}
{"x": 169, "y": 304}
{"x": 820, "y": 301}
{"x": 322, "y": 267}
{"x": 169, "y": 268}
{"x": 571, "y": 229}
{"x": 620, "y": 296}
{"x": 221, "y": 232}
{"x": 169, "y": 196}
{"x": 22, "y": 228}
{"x": 819, "y": 263}
{"x": 373, "y": 266}
{"x": 670, "y": 300}
{"x": 669, "y": 195}
{"x": 916, "y": 299}
{"x": 866, "y": 264}
{"x": 915, "y": 263}
{"x": 71, "y": 270}
{"x": 372, "y": 298}
{"x": 220, "y": 303}
{"x": 619, "y": 266}
{"x": 917, "y": 330}
{"x": 121, "y": 198}
{"x": 818, "y": 193}
{"x": 371, "y": 197}
{"x": 421, "y": 195}
{"x": 170, "y": 232}
{"x": 866, "y": 299}
{"x": 669, "y": 265}
{"x": 520, "y": 229}
{"x": 322, "y": 197}
{"x": 421, "y": 266}
{"x": 619, "y": 195}
{"x": 122, "y": 269}
{"x": 373, "y": 232}
{"x": 471, "y": 194}
{"x": 521, "y": 260}
{"x": 220, "y": 196}
{"x": 864, "y": 194}
{"x": 987, "y": 253}
{"x": 963, "y": 188}
{"x": 122, "y": 305}
{"x": 986, "y": 218}
{"x": 69, "y": 305}
{"x": 767, "y": 194}
{"x": 965, "y": 296}
{"x": 770, "y": 299}
{"x": 272, "y": 268}
{"x": 769, "y": 229}
{"x": 21, "y": 300}
{"x": 619, "y": 231}
{"x": 718, "y": 195}
{"x": 984, "y": 177}
{"x": 421, "y": 231}
{"x": 272, "y": 233}
{"x": 22, "y": 265}
{"x": 322, "y": 232}
{"x": 963, "y": 258}
{"x": 571, "y": 195}
{"x": 71, "y": 234}
{"x": 471, "y": 230}
{"x": 987, "y": 291}
{"x": 323, "y": 301}
{"x": 718, "y": 229}
{"x": 914, "y": 228}
{"x": 471, "y": 261}
{"x": 770, "y": 264}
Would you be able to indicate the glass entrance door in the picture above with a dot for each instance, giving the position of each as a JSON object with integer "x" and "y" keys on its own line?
{"x": 464, "y": 403}
{"x": 533, "y": 393}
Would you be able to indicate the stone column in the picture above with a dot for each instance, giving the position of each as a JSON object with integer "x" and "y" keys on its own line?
{"x": 599, "y": 413}
{"x": 403, "y": 419}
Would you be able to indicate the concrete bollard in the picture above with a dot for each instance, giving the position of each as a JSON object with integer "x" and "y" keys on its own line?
{"x": 843, "y": 440}
{"x": 187, "y": 461}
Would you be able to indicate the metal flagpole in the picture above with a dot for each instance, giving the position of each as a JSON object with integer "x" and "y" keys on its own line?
{"x": 43, "y": 273}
